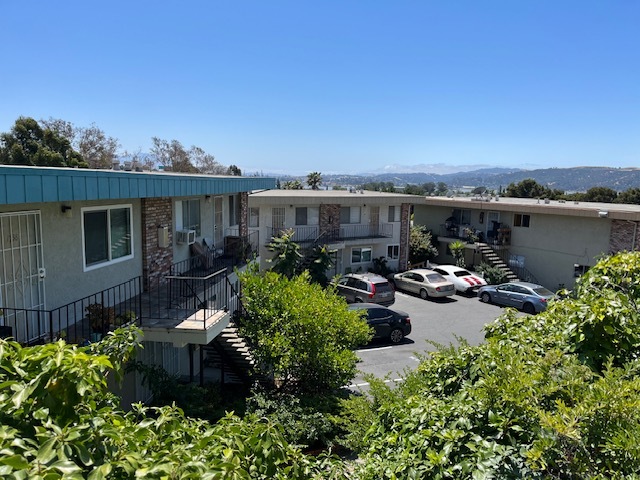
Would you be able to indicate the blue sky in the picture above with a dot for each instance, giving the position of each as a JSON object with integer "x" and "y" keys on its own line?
{"x": 337, "y": 86}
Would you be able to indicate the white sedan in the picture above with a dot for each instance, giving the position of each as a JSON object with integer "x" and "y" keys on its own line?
{"x": 464, "y": 280}
{"x": 426, "y": 283}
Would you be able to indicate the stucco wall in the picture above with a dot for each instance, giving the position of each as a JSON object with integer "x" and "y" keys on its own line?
{"x": 62, "y": 250}
{"x": 551, "y": 245}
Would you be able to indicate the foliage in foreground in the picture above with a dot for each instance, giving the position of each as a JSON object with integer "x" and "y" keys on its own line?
{"x": 301, "y": 334}
{"x": 555, "y": 395}
{"x": 550, "y": 396}
{"x": 58, "y": 420}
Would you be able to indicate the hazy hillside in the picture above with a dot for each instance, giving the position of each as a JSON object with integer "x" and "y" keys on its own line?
{"x": 577, "y": 179}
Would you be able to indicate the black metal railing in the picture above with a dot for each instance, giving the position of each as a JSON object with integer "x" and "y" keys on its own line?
{"x": 353, "y": 232}
{"x": 190, "y": 292}
{"x": 515, "y": 263}
{"x": 301, "y": 235}
{"x": 312, "y": 234}
{"x": 80, "y": 321}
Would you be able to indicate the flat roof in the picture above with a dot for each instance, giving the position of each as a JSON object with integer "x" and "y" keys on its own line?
{"x": 23, "y": 184}
{"x": 342, "y": 197}
{"x": 618, "y": 211}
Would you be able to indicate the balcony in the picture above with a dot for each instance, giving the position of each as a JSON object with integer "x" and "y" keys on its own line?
{"x": 312, "y": 234}
{"x": 301, "y": 235}
{"x": 191, "y": 305}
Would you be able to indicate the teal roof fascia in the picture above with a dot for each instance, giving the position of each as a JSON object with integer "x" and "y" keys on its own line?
{"x": 42, "y": 184}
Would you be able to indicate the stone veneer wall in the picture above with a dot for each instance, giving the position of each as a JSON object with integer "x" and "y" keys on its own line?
{"x": 156, "y": 261}
{"x": 244, "y": 214}
{"x": 405, "y": 220}
{"x": 329, "y": 219}
{"x": 624, "y": 236}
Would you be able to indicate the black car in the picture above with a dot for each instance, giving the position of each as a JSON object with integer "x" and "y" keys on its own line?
{"x": 386, "y": 322}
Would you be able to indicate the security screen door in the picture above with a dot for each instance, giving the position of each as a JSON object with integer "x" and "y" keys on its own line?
{"x": 22, "y": 274}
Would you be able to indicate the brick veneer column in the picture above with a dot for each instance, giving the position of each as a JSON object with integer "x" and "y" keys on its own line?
{"x": 405, "y": 220}
{"x": 329, "y": 219}
{"x": 156, "y": 261}
{"x": 624, "y": 236}
{"x": 244, "y": 214}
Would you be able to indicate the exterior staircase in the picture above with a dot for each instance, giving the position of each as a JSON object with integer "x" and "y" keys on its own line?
{"x": 229, "y": 352}
{"x": 493, "y": 259}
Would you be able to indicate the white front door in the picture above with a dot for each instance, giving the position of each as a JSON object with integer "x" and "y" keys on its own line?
{"x": 22, "y": 273}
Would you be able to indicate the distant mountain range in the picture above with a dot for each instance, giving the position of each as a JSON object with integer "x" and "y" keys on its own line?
{"x": 576, "y": 179}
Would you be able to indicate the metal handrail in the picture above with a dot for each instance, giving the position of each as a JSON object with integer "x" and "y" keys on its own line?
{"x": 509, "y": 259}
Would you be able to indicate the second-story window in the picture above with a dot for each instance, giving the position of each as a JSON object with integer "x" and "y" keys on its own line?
{"x": 301, "y": 216}
{"x": 277, "y": 218}
{"x": 521, "y": 220}
{"x": 350, "y": 215}
{"x": 234, "y": 210}
{"x": 394, "y": 213}
{"x": 254, "y": 217}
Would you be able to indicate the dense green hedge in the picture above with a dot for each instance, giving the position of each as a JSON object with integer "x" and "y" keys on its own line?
{"x": 550, "y": 396}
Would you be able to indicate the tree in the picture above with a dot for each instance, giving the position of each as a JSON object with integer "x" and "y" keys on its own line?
{"x": 600, "y": 194}
{"x": 414, "y": 190}
{"x": 441, "y": 188}
{"x": 234, "y": 170}
{"x": 96, "y": 148}
{"x": 287, "y": 254}
{"x": 301, "y": 334}
{"x": 172, "y": 156}
{"x": 457, "y": 250}
{"x": 421, "y": 248}
{"x": 314, "y": 180}
{"x": 630, "y": 196}
{"x": 29, "y": 144}
{"x": 379, "y": 187}
{"x": 205, "y": 162}
{"x": 429, "y": 188}
{"x": 529, "y": 188}
{"x": 292, "y": 185}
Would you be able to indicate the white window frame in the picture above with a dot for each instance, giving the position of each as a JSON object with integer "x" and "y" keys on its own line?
{"x": 362, "y": 250}
{"x": 394, "y": 249}
{"x": 183, "y": 210}
{"x": 394, "y": 213}
{"x": 254, "y": 217}
{"x": 355, "y": 215}
{"x": 109, "y": 261}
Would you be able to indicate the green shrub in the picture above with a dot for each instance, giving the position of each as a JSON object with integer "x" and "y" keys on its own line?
{"x": 493, "y": 275}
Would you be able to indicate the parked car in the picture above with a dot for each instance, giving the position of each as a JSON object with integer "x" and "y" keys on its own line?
{"x": 426, "y": 283}
{"x": 525, "y": 296}
{"x": 464, "y": 281}
{"x": 386, "y": 322}
{"x": 366, "y": 288}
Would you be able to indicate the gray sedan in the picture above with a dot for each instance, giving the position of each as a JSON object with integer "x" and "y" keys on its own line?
{"x": 426, "y": 283}
{"x": 525, "y": 296}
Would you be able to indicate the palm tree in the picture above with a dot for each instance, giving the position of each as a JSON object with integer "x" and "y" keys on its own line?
{"x": 314, "y": 180}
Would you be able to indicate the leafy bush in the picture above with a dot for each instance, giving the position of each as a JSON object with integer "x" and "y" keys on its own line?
{"x": 493, "y": 275}
{"x": 301, "y": 334}
{"x": 306, "y": 420}
{"x": 539, "y": 399}
{"x": 58, "y": 420}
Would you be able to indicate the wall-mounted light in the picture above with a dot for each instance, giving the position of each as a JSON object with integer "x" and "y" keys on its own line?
{"x": 603, "y": 214}
{"x": 207, "y": 198}
{"x": 66, "y": 210}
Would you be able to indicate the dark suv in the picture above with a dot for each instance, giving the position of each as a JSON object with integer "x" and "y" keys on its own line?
{"x": 366, "y": 288}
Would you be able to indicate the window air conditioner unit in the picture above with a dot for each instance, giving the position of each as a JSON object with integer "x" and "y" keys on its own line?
{"x": 186, "y": 237}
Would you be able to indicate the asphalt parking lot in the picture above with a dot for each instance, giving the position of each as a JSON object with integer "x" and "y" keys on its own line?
{"x": 440, "y": 321}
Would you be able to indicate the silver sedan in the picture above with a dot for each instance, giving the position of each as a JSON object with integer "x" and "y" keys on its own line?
{"x": 426, "y": 283}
